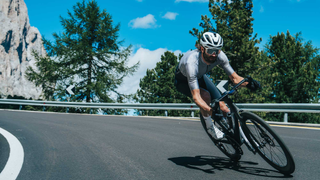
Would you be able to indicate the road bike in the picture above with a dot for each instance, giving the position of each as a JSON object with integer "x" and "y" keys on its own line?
{"x": 249, "y": 129}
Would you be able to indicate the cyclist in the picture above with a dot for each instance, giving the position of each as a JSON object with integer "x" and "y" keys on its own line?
{"x": 190, "y": 78}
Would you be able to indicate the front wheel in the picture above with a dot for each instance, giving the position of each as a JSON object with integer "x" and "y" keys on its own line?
{"x": 227, "y": 145}
{"x": 267, "y": 142}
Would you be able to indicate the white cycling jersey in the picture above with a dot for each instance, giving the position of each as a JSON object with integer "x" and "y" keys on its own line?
{"x": 193, "y": 66}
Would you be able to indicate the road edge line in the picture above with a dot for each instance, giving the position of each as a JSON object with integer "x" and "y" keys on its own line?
{"x": 16, "y": 157}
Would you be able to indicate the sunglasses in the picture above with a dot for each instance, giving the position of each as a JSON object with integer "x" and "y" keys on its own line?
{"x": 211, "y": 51}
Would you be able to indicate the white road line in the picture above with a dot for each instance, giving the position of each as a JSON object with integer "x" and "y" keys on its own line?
{"x": 297, "y": 127}
{"x": 15, "y": 160}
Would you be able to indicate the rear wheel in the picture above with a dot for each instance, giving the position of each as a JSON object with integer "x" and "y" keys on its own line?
{"x": 227, "y": 145}
{"x": 268, "y": 143}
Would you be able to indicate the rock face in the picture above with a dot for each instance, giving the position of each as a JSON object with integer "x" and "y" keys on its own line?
{"x": 17, "y": 40}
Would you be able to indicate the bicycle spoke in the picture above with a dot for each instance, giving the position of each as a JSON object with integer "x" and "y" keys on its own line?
{"x": 282, "y": 162}
{"x": 267, "y": 144}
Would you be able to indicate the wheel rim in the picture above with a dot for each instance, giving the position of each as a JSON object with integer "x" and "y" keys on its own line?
{"x": 230, "y": 147}
{"x": 227, "y": 147}
{"x": 225, "y": 144}
{"x": 266, "y": 143}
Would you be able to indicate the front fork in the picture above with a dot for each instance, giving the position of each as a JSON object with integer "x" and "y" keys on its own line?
{"x": 245, "y": 141}
{"x": 242, "y": 137}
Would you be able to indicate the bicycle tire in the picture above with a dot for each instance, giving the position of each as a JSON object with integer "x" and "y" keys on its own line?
{"x": 267, "y": 143}
{"x": 228, "y": 146}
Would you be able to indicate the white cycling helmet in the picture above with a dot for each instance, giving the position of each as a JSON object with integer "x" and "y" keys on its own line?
{"x": 211, "y": 40}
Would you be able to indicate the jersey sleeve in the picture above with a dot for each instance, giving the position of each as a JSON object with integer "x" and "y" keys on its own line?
{"x": 192, "y": 77}
{"x": 225, "y": 64}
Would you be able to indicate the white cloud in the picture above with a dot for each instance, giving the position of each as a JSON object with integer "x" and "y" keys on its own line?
{"x": 145, "y": 22}
{"x": 170, "y": 15}
{"x": 148, "y": 60}
{"x": 192, "y": 1}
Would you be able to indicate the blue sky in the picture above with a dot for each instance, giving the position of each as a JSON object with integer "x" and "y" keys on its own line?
{"x": 154, "y": 26}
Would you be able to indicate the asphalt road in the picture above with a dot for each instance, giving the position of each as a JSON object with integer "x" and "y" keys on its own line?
{"x": 72, "y": 146}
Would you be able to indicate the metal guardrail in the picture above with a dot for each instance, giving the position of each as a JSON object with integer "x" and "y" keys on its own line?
{"x": 282, "y": 107}
{"x": 277, "y": 107}
{"x": 164, "y": 106}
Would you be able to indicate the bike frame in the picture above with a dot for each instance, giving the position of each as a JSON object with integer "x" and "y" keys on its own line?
{"x": 235, "y": 136}
{"x": 237, "y": 133}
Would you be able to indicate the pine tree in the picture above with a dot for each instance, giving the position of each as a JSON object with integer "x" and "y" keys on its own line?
{"x": 46, "y": 76}
{"x": 158, "y": 87}
{"x": 88, "y": 54}
{"x": 294, "y": 77}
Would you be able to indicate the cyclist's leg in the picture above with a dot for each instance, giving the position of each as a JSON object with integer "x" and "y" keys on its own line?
{"x": 183, "y": 87}
{"x": 208, "y": 91}
{"x": 181, "y": 83}
{"x": 215, "y": 94}
{"x": 205, "y": 95}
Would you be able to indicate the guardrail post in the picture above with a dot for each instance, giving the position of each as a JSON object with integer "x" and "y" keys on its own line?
{"x": 67, "y": 110}
{"x": 166, "y": 113}
{"x": 192, "y": 113}
{"x": 285, "y": 119}
{"x": 20, "y": 107}
{"x": 44, "y": 108}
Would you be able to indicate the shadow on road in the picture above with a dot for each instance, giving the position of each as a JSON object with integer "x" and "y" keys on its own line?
{"x": 210, "y": 164}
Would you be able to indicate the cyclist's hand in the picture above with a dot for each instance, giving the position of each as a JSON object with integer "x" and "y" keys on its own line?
{"x": 253, "y": 85}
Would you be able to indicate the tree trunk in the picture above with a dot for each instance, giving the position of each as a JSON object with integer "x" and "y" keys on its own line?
{"x": 89, "y": 81}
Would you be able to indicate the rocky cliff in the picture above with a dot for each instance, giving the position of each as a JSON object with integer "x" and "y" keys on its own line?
{"x": 17, "y": 40}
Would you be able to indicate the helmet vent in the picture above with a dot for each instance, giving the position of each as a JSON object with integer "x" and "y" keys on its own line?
{"x": 211, "y": 40}
{"x": 208, "y": 38}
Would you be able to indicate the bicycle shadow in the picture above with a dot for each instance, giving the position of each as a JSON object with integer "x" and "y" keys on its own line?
{"x": 210, "y": 164}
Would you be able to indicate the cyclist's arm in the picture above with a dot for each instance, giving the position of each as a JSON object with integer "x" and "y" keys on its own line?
{"x": 200, "y": 102}
{"x": 195, "y": 88}
{"x": 235, "y": 78}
